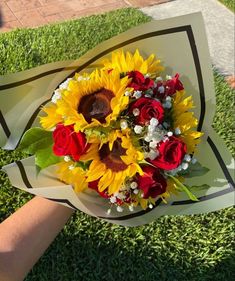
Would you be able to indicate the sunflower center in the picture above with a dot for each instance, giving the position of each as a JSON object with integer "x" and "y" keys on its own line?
{"x": 96, "y": 105}
{"x": 112, "y": 158}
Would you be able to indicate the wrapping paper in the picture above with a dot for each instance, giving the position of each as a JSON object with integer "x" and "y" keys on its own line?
{"x": 181, "y": 44}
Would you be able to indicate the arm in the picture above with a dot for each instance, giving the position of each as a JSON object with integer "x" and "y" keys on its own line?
{"x": 26, "y": 234}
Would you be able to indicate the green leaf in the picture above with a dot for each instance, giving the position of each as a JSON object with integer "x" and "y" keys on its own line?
{"x": 194, "y": 170}
{"x": 184, "y": 188}
{"x": 198, "y": 187}
{"x": 45, "y": 158}
{"x": 35, "y": 139}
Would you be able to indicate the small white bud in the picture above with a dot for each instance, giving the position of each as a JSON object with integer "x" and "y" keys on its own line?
{"x": 134, "y": 185}
{"x": 154, "y": 121}
{"x": 161, "y": 89}
{"x": 168, "y": 77}
{"x": 108, "y": 212}
{"x": 177, "y": 131}
{"x": 136, "y": 191}
{"x": 71, "y": 167}
{"x": 159, "y": 79}
{"x": 66, "y": 158}
{"x": 184, "y": 166}
{"x": 147, "y": 75}
{"x": 187, "y": 158}
{"x": 119, "y": 209}
{"x": 138, "y": 129}
{"x": 137, "y": 94}
{"x": 65, "y": 84}
{"x": 167, "y": 104}
{"x": 153, "y": 144}
{"x": 168, "y": 98}
{"x": 150, "y": 206}
{"x": 136, "y": 112}
{"x": 127, "y": 93}
{"x": 170, "y": 134}
{"x": 113, "y": 199}
{"x": 147, "y": 138}
{"x": 121, "y": 196}
{"x": 142, "y": 195}
{"x": 123, "y": 124}
{"x": 56, "y": 96}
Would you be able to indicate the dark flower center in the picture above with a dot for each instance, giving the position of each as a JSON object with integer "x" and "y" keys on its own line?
{"x": 112, "y": 158}
{"x": 96, "y": 105}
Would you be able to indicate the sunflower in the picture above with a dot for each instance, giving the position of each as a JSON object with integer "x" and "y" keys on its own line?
{"x": 70, "y": 174}
{"x": 95, "y": 101}
{"x": 113, "y": 162}
{"x": 185, "y": 120}
{"x": 126, "y": 63}
{"x": 52, "y": 118}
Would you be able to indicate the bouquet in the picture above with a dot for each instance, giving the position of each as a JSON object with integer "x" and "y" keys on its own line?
{"x": 114, "y": 135}
{"x": 122, "y": 130}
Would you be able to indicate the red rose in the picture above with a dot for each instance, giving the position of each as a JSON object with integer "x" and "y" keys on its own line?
{"x": 68, "y": 142}
{"x": 149, "y": 108}
{"x": 152, "y": 182}
{"x": 170, "y": 87}
{"x": 139, "y": 82}
{"x": 173, "y": 85}
{"x": 171, "y": 154}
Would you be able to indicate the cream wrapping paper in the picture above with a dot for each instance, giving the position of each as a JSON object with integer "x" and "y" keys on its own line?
{"x": 181, "y": 44}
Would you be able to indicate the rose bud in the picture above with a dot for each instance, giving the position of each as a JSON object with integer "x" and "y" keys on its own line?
{"x": 68, "y": 142}
{"x": 168, "y": 87}
{"x": 139, "y": 82}
{"x": 148, "y": 109}
{"x": 152, "y": 182}
{"x": 171, "y": 153}
{"x": 173, "y": 85}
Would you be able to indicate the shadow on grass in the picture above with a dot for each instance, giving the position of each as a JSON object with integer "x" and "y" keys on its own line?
{"x": 122, "y": 254}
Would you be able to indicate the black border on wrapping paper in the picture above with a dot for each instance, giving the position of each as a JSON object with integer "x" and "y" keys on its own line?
{"x": 4, "y": 125}
{"x": 189, "y": 32}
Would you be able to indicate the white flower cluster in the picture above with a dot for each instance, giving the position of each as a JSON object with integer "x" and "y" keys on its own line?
{"x": 168, "y": 103}
{"x": 114, "y": 199}
{"x": 65, "y": 86}
{"x": 184, "y": 165}
{"x": 58, "y": 92}
{"x": 155, "y": 134}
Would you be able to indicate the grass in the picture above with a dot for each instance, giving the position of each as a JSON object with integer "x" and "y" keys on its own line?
{"x": 196, "y": 247}
{"x": 229, "y": 3}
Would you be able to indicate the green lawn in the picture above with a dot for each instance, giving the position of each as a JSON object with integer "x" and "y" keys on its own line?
{"x": 229, "y": 3}
{"x": 173, "y": 248}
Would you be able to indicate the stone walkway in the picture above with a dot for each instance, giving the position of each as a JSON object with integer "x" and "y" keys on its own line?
{"x": 33, "y": 13}
{"x": 219, "y": 22}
